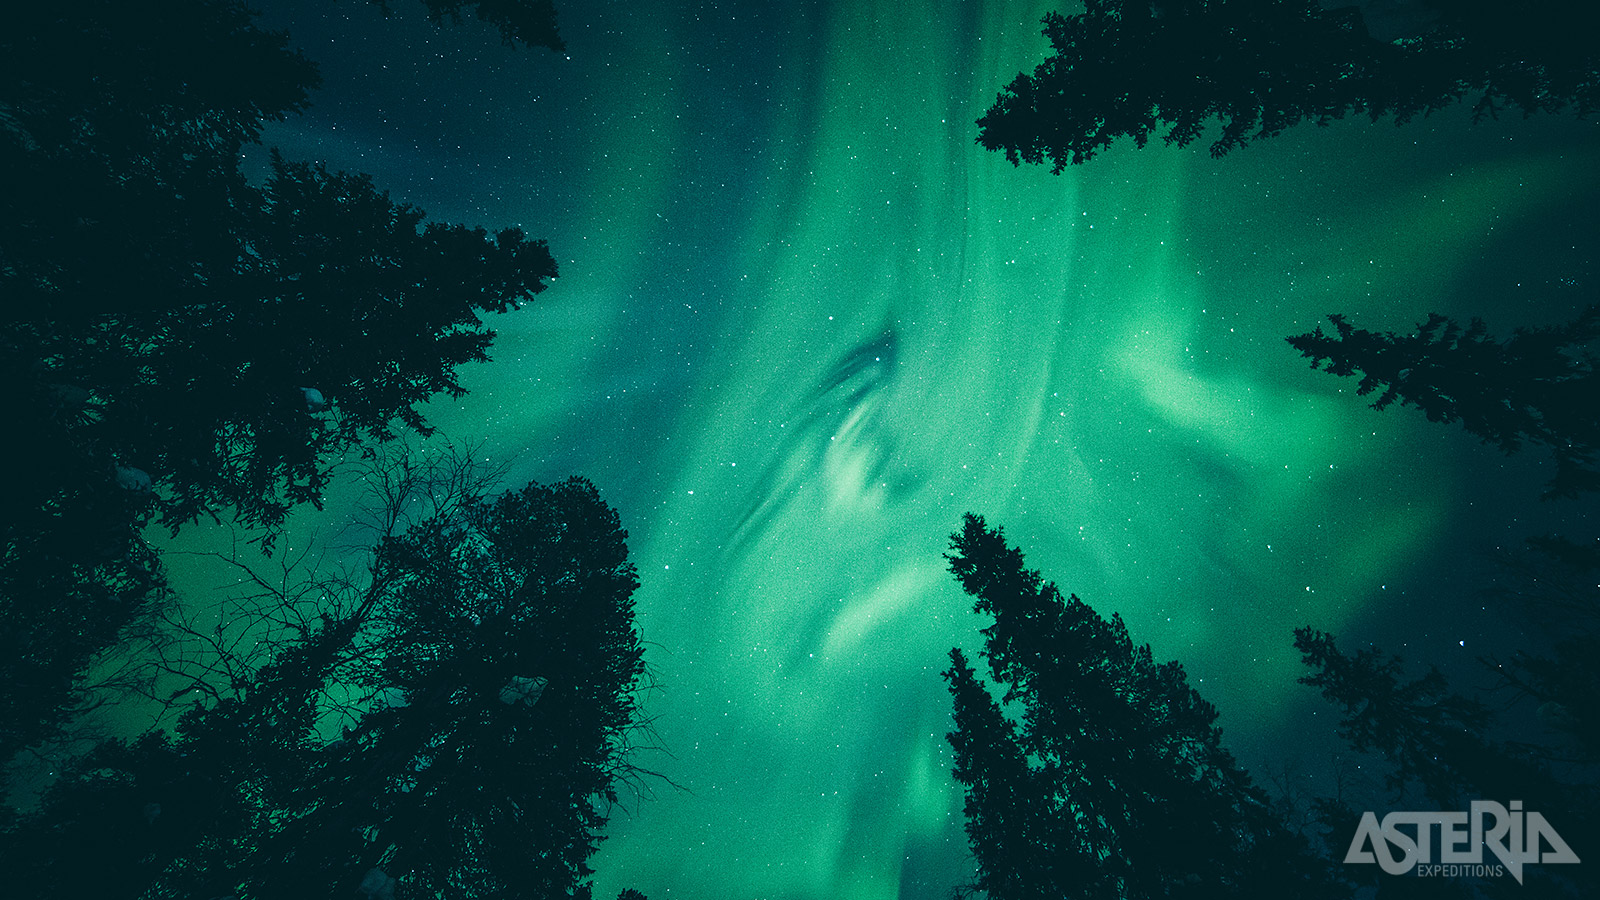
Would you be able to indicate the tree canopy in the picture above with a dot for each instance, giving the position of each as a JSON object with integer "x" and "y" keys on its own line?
{"x": 1438, "y": 744}
{"x": 458, "y": 732}
{"x": 1125, "y": 68}
{"x": 1445, "y": 749}
{"x": 180, "y": 341}
{"x": 1112, "y": 781}
{"x": 529, "y": 22}
{"x": 1538, "y": 386}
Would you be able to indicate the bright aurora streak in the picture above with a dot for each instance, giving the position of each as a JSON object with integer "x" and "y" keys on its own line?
{"x": 804, "y": 323}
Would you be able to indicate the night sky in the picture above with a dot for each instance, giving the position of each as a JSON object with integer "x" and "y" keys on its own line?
{"x": 804, "y": 322}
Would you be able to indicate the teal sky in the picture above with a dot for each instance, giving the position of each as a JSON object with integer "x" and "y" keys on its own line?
{"x": 804, "y": 323}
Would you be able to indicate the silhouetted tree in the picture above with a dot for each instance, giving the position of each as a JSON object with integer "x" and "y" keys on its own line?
{"x": 1112, "y": 782}
{"x": 1559, "y": 592}
{"x": 531, "y": 22}
{"x": 176, "y": 340}
{"x": 118, "y": 125}
{"x": 1538, "y": 386}
{"x": 1125, "y": 67}
{"x": 1430, "y": 732}
{"x": 496, "y": 647}
{"x": 1438, "y": 742}
{"x": 514, "y": 652}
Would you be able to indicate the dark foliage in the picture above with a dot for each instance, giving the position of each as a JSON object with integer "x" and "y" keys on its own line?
{"x": 117, "y": 131}
{"x": 1560, "y": 593}
{"x": 1430, "y": 732}
{"x": 529, "y": 22}
{"x": 1538, "y": 386}
{"x": 1127, "y": 67}
{"x": 1437, "y": 742}
{"x": 459, "y": 780}
{"x": 1113, "y": 782}
{"x": 485, "y": 789}
{"x": 178, "y": 341}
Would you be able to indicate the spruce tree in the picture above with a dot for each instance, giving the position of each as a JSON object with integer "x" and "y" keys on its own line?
{"x": 1538, "y": 386}
{"x": 1099, "y": 773}
{"x": 1443, "y": 753}
{"x": 1125, "y": 68}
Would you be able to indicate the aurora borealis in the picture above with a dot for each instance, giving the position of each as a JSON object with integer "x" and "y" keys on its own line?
{"x": 804, "y": 323}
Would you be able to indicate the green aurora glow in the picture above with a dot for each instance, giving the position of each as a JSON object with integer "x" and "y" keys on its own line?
{"x": 804, "y": 323}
